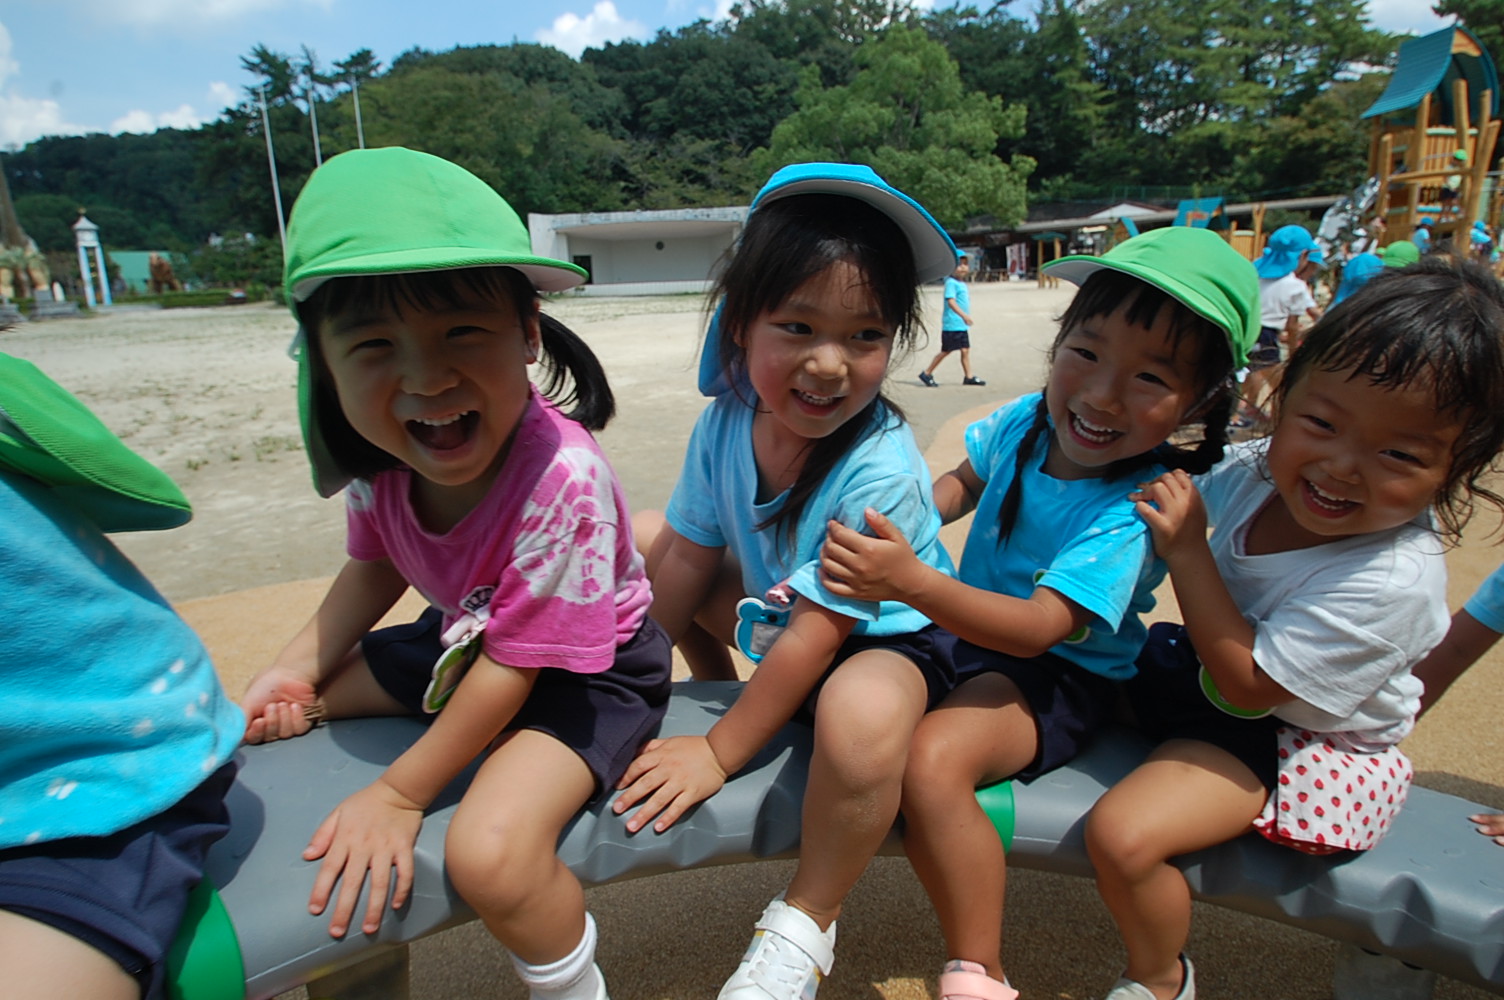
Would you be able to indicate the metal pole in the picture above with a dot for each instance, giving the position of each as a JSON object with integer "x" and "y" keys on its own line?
{"x": 313, "y": 120}
{"x": 360, "y": 132}
{"x": 271, "y": 160}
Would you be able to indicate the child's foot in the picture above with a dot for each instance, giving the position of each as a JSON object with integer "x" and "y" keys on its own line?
{"x": 788, "y": 957}
{"x": 1127, "y": 989}
{"x": 962, "y": 980}
{"x": 928, "y": 379}
{"x": 972, "y": 380}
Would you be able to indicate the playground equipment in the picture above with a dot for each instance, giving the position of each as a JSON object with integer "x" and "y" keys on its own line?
{"x": 1442, "y": 101}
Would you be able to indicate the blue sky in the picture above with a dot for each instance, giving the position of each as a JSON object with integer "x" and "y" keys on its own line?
{"x": 75, "y": 66}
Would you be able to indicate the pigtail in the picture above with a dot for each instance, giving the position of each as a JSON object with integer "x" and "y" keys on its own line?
{"x": 1007, "y": 515}
{"x": 588, "y": 389}
{"x": 1199, "y": 457}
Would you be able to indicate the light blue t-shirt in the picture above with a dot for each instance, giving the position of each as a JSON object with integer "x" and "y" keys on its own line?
{"x": 1487, "y": 604}
{"x": 715, "y": 504}
{"x": 956, "y": 289}
{"x": 110, "y": 710}
{"x": 1080, "y": 537}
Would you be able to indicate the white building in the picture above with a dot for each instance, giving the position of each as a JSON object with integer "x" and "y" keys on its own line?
{"x": 640, "y": 253}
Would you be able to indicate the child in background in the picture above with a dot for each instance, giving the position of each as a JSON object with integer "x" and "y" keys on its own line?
{"x": 1057, "y": 566}
{"x": 415, "y": 291}
{"x": 1279, "y": 703}
{"x": 954, "y": 326}
{"x": 115, "y": 737}
{"x": 819, "y": 293}
{"x": 1475, "y": 629}
{"x": 1285, "y": 269}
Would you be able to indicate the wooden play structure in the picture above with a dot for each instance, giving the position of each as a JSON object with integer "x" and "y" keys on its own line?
{"x": 1443, "y": 98}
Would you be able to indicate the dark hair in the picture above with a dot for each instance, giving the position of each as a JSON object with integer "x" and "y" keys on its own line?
{"x": 564, "y": 353}
{"x": 1438, "y": 323}
{"x": 786, "y": 243}
{"x": 1103, "y": 293}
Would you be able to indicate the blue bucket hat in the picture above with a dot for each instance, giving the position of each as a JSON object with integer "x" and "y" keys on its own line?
{"x": 1356, "y": 273}
{"x": 935, "y": 254}
{"x": 1282, "y": 251}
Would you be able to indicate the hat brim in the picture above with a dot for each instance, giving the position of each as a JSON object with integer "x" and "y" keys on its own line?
{"x": 546, "y": 274}
{"x": 935, "y": 255}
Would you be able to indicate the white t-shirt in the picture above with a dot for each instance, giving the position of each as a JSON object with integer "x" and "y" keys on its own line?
{"x": 1338, "y": 625}
{"x": 1281, "y": 298}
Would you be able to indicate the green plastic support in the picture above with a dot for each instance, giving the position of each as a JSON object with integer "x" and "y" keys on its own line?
{"x": 204, "y": 962}
{"x": 997, "y": 803}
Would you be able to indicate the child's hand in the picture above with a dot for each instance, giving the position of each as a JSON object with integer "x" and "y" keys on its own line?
{"x": 1490, "y": 825}
{"x": 1172, "y": 508}
{"x": 278, "y": 704}
{"x": 876, "y": 567}
{"x": 373, "y": 830}
{"x": 672, "y": 774}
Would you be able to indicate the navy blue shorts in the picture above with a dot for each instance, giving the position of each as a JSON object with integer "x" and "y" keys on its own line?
{"x": 123, "y": 894}
{"x": 1265, "y": 353}
{"x": 1168, "y": 702}
{"x": 603, "y": 717}
{"x": 954, "y": 340}
{"x": 1069, "y": 703}
{"x": 917, "y": 647}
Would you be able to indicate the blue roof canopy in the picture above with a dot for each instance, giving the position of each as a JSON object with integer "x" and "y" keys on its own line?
{"x": 1429, "y": 65}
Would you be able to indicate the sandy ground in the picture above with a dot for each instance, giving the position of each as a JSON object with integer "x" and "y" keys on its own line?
{"x": 208, "y": 396}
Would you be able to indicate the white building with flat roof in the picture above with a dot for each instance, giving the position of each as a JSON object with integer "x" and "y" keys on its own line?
{"x": 640, "y": 253}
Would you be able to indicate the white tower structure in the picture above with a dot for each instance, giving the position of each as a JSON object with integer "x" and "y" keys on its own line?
{"x": 86, "y": 235}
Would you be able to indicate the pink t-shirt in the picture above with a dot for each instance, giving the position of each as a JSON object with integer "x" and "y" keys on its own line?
{"x": 549, "y": 551}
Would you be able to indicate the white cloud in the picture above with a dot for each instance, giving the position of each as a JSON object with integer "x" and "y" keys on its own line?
{"x": 222, "y": 95}
{"x": 23, "y": 118}
{"x": 574, "y": 34}
{"x": 183, "y": 116}
{"x": 1406, "y": 15}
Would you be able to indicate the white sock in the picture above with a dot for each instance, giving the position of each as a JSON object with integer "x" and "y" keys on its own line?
{"x": 573, "y": 977}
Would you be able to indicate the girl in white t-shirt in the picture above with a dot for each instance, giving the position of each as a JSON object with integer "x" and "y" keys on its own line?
{"x": 1279, "y": 703}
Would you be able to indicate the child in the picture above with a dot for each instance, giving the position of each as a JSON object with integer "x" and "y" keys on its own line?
{"x": 1285, "y": 269}
{"x": 1057, "y": 568}
{"x": 418, "y": 323}
{"x": 954, "y": 335}
{"x": 115, "y": 737}
{"x": 1322, "y": 584}
{"x": 1475, "y": 629}
{"x": 818, "y": 293}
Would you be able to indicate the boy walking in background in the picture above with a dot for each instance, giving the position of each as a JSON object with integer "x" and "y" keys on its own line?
{"x": 954, "y": 335}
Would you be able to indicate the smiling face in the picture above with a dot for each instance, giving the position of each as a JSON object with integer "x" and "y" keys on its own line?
{"x": 818, "y": 358}
{"x": 1116, "y": 390}
{"x": 439, "y": 389}
{"x": 1350, "y": 458}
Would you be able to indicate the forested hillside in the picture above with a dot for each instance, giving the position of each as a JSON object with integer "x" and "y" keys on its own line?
{"x": 973, "y": 110}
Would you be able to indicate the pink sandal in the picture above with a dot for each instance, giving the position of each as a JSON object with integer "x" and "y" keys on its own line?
{"x": 961, "y": 980}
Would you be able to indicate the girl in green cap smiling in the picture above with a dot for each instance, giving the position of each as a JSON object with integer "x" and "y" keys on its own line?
{"x": 419, "y": 319}
{"x": 1057, "y": 566}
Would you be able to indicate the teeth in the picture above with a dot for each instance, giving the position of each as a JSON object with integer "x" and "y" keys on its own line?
{"x": 438, "y": 421}
{"x": 1091, "y": 430}
{"x": 811, "y": 398}
{"x": 1326, "y": 499}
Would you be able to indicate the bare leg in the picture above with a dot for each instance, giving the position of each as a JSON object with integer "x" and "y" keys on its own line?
{"x": 864, "y": 721}
{"x": 936, "y": 362}
{"x": 44, "y": 963}
{"x": 966, "y": 362}
{"x": 1187, "y": 796}
{"x": 983, "y": 732}
{"x": 501, "y": 848}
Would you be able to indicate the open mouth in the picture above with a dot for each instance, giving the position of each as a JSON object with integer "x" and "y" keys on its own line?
{"x": 1325, "y": 503}
{"x": 1091, "y": 433}
{"x": 444, "y": 433}
{"x": 814, "y": 401}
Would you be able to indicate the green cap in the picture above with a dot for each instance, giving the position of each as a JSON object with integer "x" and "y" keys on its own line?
{"x": 48, "y": 435}
{"x": 396, "y": 211}
{"x": 1196, "y": 267}
{"x": 1401, "y": 253}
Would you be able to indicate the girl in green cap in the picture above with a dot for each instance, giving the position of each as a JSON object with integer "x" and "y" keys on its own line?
{"x": 467, "y": 483}
{"x": 1057, "y": 566}
{"x": 1279, "y": 704}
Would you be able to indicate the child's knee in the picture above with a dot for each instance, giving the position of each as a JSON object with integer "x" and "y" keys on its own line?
{"x": 1115, "y": 842}
{"x": 495, "y": 860}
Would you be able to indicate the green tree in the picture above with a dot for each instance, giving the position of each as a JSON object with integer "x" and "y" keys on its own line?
{"x": 907, "y": 115}
{"x": 821, "y": 33}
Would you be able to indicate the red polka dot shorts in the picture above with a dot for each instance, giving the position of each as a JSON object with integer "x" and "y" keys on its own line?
{"x": 1334, "y": 793}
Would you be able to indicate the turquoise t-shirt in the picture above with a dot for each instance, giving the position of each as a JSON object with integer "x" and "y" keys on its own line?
{"x": 1081, "y": 538}
{"x": 110, "y": 710}
{"x": 956, "y": 289}
{"x": 715, "y": 504}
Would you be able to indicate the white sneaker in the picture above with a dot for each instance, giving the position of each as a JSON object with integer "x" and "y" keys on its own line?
{"x": 1127, "y": 989}
{"x": 788, "y": 957}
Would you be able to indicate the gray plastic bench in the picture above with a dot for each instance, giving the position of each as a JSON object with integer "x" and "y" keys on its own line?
{"x": 1430, "y": 895}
